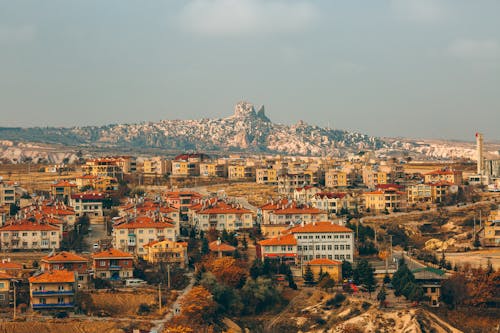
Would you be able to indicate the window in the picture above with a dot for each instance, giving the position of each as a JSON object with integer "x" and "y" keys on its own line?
{"x": 336, "y": 247}
{"x": 348, "y": 247}
{"x": 2, "y": 285}
{"x": 329, "y": 236}
{"x": 317, "y": 247}
{"x": 329, "y": 247}
{"x": 323, "y": 247}
{"x": 53, "y": 233}
{"x": 283, "y": 248}
{"x": 299, "y": 237}
{"x": 122, "y": 232}
{"x": 348, "y": 256}
{"x": 25, "y": 234}
{"x": 317, "y": 236}
{"x": 299, "y": 247}
{"x": 102, "y": 263}
{"x": 141, "y": 231}
{"x": 341, "y": 247}
{"x": 337, "y": 257}
{"x": 330, "y": 256}
{"x": 80, "y": 278}
{"x": 151, "y": 231}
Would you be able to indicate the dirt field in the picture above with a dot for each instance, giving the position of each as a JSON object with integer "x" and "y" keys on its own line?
{"x": 256, "y": 194}
{"x": 476, "y": 258}
{"x": 69, "y": 325}
{"x": 29, "y": 177}
{"x": 126, "y": 304}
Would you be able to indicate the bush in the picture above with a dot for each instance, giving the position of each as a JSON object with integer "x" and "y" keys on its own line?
{"x": 336, "y": 300}
{"x": 143, "y": 309}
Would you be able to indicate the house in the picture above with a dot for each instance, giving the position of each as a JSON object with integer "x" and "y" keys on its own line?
{"x": 419, "y": 193}
{"x": 451, "y": 176}
{"x": 53, "y": 290}
{"x": 112, "y": 264}
{"x": 332, "y": 267}
{"x": 221, "y": 248}
{"x": 109, "y": 167}
{"x": 304, "y": 194}
{"x": 62, "y": 189}
{"x": 166, "y": 251}
{"x": 316, "y": 240}
{"x": 373, "y": 177}
{"x": 293, "y": 213}
{"x": 430, "y": 280}
{"x": 440, "y": 190}
{"x": 156, "y": 166}
{"x": 131, "y": 236}
{"x": 182, "y": 200}
{"x": 213, "y": 169}
{"x": 11, "y": 268}
{"x": 289, "y": 181}
{"x": 30, "y": 235}
{"x": 185, "y": 168}
{"x": 5, "y": 289}
{"x": 7, "y": 194}
{"x": 332, "y": 202}
{"x": 70, "y": 262}
{"x": 85, "y": 181}
{"x": 241, "y": 172}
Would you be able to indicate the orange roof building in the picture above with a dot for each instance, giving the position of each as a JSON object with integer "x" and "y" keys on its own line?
{"x": 53, "y": 290}
{"x": 112, "y": 264}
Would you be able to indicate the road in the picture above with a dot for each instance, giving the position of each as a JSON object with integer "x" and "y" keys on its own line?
{"x": 160, "y": 324}
{"x": 410, "y": 262}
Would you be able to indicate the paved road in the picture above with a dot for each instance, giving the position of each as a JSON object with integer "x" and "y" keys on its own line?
{"x": 175, "y": 308}
{"x": 410, "y": 262}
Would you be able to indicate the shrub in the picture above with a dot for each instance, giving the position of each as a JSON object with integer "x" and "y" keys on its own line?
{"x": 143, "y": 309}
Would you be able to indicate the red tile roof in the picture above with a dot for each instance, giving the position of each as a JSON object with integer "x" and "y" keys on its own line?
{"x": 63, "y": 183}
{"x": 223, "y": 247}
{"x": 275, "y": 205}
{"x": 288, "y": 239}
{"x": 28, "y": 226}
{"x": 320, "y": 262}
{"x": 5, "y": 276}
{"x": 112, "y": 254}
{"x": 10, "y": 266}
{"x": 320, "y": 227}
{"x": 64, "y": 257}
{"x": 145, "y": 222}
{"x": 57, "y": 276}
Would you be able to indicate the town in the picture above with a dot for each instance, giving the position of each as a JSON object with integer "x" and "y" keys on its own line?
{"x": 266, "y": 243}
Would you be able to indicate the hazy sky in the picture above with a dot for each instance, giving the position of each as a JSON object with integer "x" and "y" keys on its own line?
{"x": 415, "y": 68}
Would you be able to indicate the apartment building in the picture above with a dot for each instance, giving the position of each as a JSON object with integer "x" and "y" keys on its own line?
{"x": 7, "y": 194}
{"x": 220, "y": 215}
{"x": 156, "y": 166}
{"x": 288, "y": 182}
{"x": 213, "y": 169}
{"x": 112, "y": 167}
{"x": 133, "y": 235}
{"x": 30, "y": 235}
{"x": 266, "y": 176}
{"x": 384, "y": 199}
{"x": 306, "y": 242}
{"x": 166, "y": 251}
{"x": 451, "y": 176}
{"x": 335, "y": 179}
{"x": 53, "y": 290}
{"x": 62, "y": 189}
{"x": 89, "y": 204}
{"x": 492, "y": 229}
{"x": 112, "y": 264}
{"x": 241, "y": 172}
{"x": 419, "y": 193}
{"x": 5, "y": 289}
{"x": 185, "y": 168}
{"x": 305, "y": 194}
{"x": 70, "y": 262}
{"x": 441, "y": 190}
{"x": 373, "y": 177}
{"x": 333, "y": 202}
{"x": 182, "y": 200}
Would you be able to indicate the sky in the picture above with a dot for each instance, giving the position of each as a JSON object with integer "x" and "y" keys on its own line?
{"x": 391, "y": 68}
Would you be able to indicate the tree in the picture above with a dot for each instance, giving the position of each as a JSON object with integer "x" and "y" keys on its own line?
{"x": 346, "y": 269}
{"x": 308, "y": 275}
{"x": 228, "y": 271}
{"x": 381, "y": 296}
{"x": 387, "y": 278}
{"x": 259, "y": 295}
{"x": 197, "y": 309}
{"x": 204, "y": 247}
{"x": 364, "y": 275}
{"x": 244, "y": 243}
{"x": 454, "y": 290}
{"x": 326, "y": 282}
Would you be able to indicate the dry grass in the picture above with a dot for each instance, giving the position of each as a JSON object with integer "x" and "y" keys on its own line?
{"x": 73, "y": 326}
{"x": 30, "y": 178}
{"x": 256, "y": 194}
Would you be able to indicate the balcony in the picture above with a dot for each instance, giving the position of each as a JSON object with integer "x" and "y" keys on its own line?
{"x": 115, "y": 267}
{"x": 53, "y": 293}
{"x": 53, "y": 305}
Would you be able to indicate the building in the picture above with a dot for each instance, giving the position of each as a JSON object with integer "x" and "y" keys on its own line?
{"x": 304, "y": 194}
{"x": 441, "y": 190}
{"x": 451, "y": 176}
{"x": 156, "y": 166}
{"x": 166, "y": 251}
{"x": 389, "y": 199}
{"x": 333, "y": 202}
{"x": 131, "y": 236}
{"x": 7, "y": 194}
{"x": 332, "y": 267}
{"x": 266, "y": 176}
{"x": 316, "y": 240}
{"x": 53, "y": 290}
{"x": 70, "y": 262}
{"x": 5, "y": 289}
{"x": 492, "y": 229}
{"x": 112, "y": 264}
{"x": 430, "y": 280}
{"x": 182, "y": 200}
{"x": 373, "y": 177}
{"x": 11, "y": 268}
{"x": 241, "y": 172}
{"x": 62, "y": 189}
{"x": 185, "y": 168}
{"x": 221, "y": 248}
{"x": 89, "y": 204}
{"x": 220, "y": 215}
{"x": 419, "y": 193}
{"x": 288, "y": 182}
{"x": 335, "y": 178}
{"x": 113, "y": 166}
{"x": 213, "y": 169}
{"x": 30, "y": 235}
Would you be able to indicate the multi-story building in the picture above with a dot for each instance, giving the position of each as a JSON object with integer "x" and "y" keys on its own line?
{"x": 322, "y": 266}
{"x": 62, "y": 189}
{"x": 185, "y": 168}
{"x": 166, "y": 251}
{"x": 53, "y": 290}
{"x": 492, "y": 229}
{"x": 220, "y": 215}
{"x": 70, "y": 262}
{"x": 182, "y": 200}
{"x": 373, "y": 177}
{"x": 384, "y": 200}
{"x": 104, "y": 167}
{"x": 419, "y": 193}
{"x": 288, "y": 182}
{"x": 304, "y": 194}
{"x": 335, "y": 178}
{"x": 451, "y": 176}
{"x": 241, "y": 172}
{"x": 213, "y": 169}
{"x": 89, "y": 204}
{"x": 333, "y": 202}
{"x": 5, "y": 289}
{"x": 441, "y": 190}
{"x": 112, "y": 264}
{"x": 28, "y": 235}
{"x": 316, "y": 240}
{"x": 267, "y": 176}
{"x": 156, "y": 166}
{"x": 133, "y": 235}
{"x": 7, "y": 194}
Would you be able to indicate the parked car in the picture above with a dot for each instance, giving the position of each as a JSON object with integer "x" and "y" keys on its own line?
{"x": 135, "y": 283}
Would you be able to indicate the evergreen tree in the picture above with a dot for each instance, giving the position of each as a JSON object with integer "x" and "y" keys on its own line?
{"x": 244, "y": 243}
{"x": 442, "y": 261}
{"x": 387, "y": 278}
{"x": 204, "y": 246}
{"x": 308, "y": 275}
{"x": 256, "y": 269}
{"x": 382, "y": 295}
{"x": 346, "y": 270}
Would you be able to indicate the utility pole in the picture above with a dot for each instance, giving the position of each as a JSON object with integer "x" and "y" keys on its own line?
{"x": 14, "y": 282}
{"x": 159, "y": 296}
{"x": 168, "y": 275}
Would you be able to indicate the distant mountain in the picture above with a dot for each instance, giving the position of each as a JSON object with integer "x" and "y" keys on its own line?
{"x": 247, "y": 130}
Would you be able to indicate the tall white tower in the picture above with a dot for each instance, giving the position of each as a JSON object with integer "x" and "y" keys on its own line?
{"x": 479, "y": 148}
